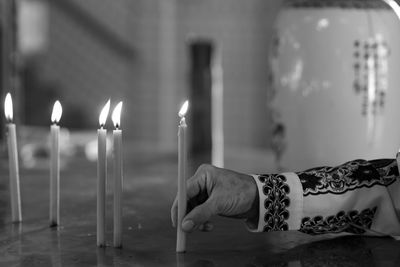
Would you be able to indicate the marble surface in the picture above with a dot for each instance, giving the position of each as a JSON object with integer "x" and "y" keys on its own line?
{"x": 148, "y": 237}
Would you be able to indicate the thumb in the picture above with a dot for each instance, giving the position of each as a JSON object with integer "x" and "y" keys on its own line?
{"x": 198, "y": 216}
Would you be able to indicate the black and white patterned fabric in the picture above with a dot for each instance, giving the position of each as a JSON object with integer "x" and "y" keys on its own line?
{"x": 357, "y": 197}
{"x": 276, "y": 189}
{"x": 352, "y": 222}
{"x": 349, "y": 176}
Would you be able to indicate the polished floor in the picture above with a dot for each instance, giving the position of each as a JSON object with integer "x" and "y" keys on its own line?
{"x": 148, "y": 237}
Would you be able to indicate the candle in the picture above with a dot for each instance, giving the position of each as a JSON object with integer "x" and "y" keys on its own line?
{"x": 182, "y": 162}
{"x": 217, "y": 113}
{"x": 102, "y": 174}
{"x": 398, "y": 160}
{"x": 55, "y": 165}
{"x": 118, "y": 177}
{"x": 13, "y": 162}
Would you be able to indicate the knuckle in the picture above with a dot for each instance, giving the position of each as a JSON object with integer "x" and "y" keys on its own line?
{"x": 205, "y": 167}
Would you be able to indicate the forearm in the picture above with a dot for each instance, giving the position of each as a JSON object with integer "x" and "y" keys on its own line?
{"x": 355, "y": 197}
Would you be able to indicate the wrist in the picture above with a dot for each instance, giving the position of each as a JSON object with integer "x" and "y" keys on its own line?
{"x": 253, "y": 213}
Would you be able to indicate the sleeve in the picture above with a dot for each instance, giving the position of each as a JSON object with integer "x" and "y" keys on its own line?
{"x": 357, "y": 197}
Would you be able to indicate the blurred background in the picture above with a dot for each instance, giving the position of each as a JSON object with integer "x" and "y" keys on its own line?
{"x": 84, "y": 52}
{"x": 293, "y": 76}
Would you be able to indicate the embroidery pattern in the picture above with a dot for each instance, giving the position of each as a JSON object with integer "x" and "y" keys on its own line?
{"x": 351, "y": 222}
{"x": 349, "y": 176}
{"x": 276, "y": 190}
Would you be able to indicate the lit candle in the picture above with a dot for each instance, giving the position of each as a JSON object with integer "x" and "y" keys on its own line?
{"x": 102, "y": 174}
{"x": 118, "y": 175}
{"x": 13, "y": 162}
{"x": 55, "y": 165}
{"x": 182, "y": 162}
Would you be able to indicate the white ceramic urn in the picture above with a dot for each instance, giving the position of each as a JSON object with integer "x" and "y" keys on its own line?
{"x": 335, "y": 82}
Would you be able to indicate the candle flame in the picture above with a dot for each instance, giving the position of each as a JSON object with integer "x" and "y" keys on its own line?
{"x": 116, "y": 115}
{"x": 8, "y": 107}
{"x": 57, "y": 112}
{"x": 184, "y": 108}
{"x": 104, "y": 114}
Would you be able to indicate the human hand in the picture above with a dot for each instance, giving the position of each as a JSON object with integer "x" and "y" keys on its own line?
{"x": 215, "y": 191}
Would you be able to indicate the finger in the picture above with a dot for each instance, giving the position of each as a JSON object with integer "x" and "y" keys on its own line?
{"x": 206, "y": 227}
{"x": 174, "y": 212}
{"x": 200, "y": 181}
{"x": 195, "y": 184}
{"x": 198, "y": 216}
{"x": 201, "y": 227}
{"x": 197, "y": 200}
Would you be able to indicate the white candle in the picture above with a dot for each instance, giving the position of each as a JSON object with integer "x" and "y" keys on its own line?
{"x": 217, "y": 113}
{"x": 118, "y": 175}
{"x": 55, "y": 165}
{"x": 13, "y": 162}
{"x": 182, "y": 162}
{"x": 102, "y": 175}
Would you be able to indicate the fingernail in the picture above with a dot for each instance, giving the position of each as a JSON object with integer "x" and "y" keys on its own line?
{"x": 187, "y": 225}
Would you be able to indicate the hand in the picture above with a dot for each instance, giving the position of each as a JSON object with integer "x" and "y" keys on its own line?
{"x": 215, "y": 191}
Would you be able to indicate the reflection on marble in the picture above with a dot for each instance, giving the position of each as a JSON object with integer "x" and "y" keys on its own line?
{"x": 148, "y": 237}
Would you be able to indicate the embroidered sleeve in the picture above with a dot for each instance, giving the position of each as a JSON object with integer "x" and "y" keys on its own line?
{"x": 358, "y": 197}
{"x": 354, "y": 197}
{"x": 281, "y": 201}
{"x": 348, "y": 177}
